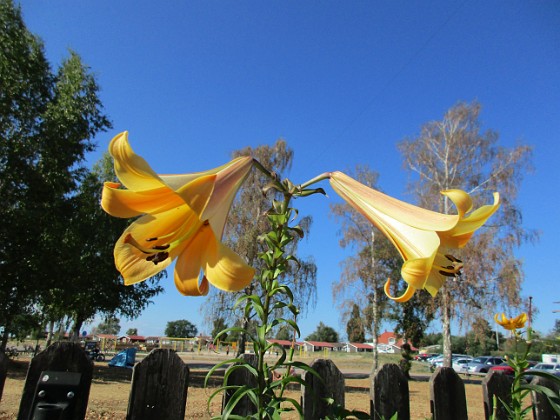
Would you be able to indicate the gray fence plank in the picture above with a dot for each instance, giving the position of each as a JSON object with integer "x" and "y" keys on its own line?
{"x": 498, "y": 384}
{"x": 159, "y": 387}
{"x": 3, "y": 371}
{"x": 241, "y": 376}
{"x": 63, "y": 373}
{"x": 315, "y": 391}
{"x": 389, "y": 393}
{"x": 447, "y": 395}
{"x": 541, "y": 407}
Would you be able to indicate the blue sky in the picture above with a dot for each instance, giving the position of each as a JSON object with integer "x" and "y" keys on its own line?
{"x": 342, "y": 82}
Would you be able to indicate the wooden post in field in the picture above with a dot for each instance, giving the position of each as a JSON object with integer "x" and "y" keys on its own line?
{"x": 58, "y": 381}
{"x": 389, "y": 393}
{"x": 315, "y": 392}
{"x": 3, "y": 371}
{"x": 542, "y": 409}
{"x": 241, "y": 376}
{"x": 447, "y": 395}
{"x": 159, "y": 387}
{"x": 498, "y": 384}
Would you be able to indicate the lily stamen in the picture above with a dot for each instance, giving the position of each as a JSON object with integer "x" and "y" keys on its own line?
{"x": 157, "y": 258}
{"x": 452, "y": 258}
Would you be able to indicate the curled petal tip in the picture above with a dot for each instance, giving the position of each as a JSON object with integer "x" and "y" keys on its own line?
{"x": 405, "y": 297}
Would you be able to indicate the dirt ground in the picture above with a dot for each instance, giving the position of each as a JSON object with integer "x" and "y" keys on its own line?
{"x": 111, "y": 386}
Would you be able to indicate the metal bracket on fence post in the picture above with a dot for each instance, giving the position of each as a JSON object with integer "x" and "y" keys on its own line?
{"x": 55, "y": 395}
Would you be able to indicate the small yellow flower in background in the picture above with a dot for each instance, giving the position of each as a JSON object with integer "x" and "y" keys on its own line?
{"x": 512, "y": 323}
{"x": 180, "y": 216}
{"x": 421, "y": 236}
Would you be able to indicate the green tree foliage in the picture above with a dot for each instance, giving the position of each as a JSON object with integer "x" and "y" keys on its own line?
{"x": 47, "y": 124}
{"x": 481, "y": 340}
{"x": 556, "y": 329}
{"x": 218, "y": 325}
{"x": 412, "y": 318}
{"x": 285, "y": 333}
{"x": 323, "y": 333}
{"x": 456, "y": 153}
{"x": 246, "y": 222}
{"x": 181, "y": 329}
{"x": 97, "y": 287}
{"x": 132, "y": 331}
{"x": 110, "y": 325}
{"x": 431, "y": 339}
{"x": 355, "y": 326}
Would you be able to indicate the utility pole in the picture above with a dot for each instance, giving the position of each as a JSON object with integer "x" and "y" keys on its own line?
{"x": 530, "y": 311}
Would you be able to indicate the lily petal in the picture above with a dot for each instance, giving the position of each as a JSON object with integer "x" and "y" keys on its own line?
{"x": 405, "y": 297}
{"x": 180, "y": 216}
{"x": 228, "y": 180}
{"x": 222, "y": 267}
{"x": 150, "y": 232}
{"x": 465, "y": 228}
{"x": 418, "y": 234}
{"x": 511, "y": 323}
{"x": 132, "y": 170}
{"x": 188, "y": 267}
{"x": 127, "y": 203}
{"x": 368, "y": 198}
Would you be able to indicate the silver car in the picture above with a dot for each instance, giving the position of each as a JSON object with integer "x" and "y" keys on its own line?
{"x": 482, "y": 364}
{"x": 552, "y": 368}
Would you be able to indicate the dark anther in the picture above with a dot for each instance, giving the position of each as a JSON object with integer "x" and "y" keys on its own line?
{"x": 206, "y": 223}
{"x": 446, "y": 274}
{"x": 452, "y": 258}
{"x": 157, "y": 258}
{"x": 151, "y": 239}
{"x": 160, "y": 247}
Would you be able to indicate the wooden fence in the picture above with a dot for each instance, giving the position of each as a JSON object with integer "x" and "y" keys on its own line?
{"x": 59, "y": 378}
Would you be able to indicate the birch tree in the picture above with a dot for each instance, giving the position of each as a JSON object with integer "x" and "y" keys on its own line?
{"x": 457, "y": 153}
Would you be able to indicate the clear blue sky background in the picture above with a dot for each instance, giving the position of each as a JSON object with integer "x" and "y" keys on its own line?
{"x": 342, "y": 82}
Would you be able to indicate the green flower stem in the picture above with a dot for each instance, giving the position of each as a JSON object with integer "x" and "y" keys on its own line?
{"x": 262, "y": 304}
{"x": 318, "y": 178}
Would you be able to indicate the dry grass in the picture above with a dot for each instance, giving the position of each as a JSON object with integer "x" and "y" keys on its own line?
{"x": 109, "y": 391}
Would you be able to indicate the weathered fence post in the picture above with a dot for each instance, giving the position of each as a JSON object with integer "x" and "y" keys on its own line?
{"x": 447, "y": 395}
{"x": 3, "y": 371}
{"x": 498, "y": 384}
{"x": 159, "y": 387}
{"x": 58, "y": 381}
{"x": 541, "y": 407}
{"x": 241, "y": 376}
{"x": 389, "y": 393}
{"x": 315, "y": 391}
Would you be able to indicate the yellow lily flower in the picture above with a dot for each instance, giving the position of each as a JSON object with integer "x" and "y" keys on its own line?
{"x": 512, "y": 323}
{"x": 421, "y": 236}
{"x": 180, "y": 216}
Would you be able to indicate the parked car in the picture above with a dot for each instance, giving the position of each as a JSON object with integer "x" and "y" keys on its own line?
{"x": 482, "y": 364}
{"x": 460, "y": 364}
{"x": 552, "y": 368}
{"x": 454, "y": 358}
{"x": 507, "y": 369}
{"x": 424, "y": 356}
{"x": 432, "y": 358}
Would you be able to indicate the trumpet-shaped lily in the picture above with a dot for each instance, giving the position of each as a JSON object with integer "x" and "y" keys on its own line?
{"x": 421, "y": 236}
{"x": 180, "y": 216}
{"x": 512, "y": 323}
